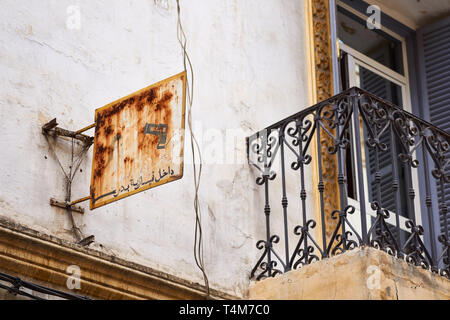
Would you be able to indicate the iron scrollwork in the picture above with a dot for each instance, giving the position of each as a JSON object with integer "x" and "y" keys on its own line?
{"x": 332, "y": 120}
{"x": 268, "y": 268}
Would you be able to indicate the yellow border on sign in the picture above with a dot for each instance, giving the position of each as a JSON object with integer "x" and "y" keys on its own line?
{"x": 181, "y": 75}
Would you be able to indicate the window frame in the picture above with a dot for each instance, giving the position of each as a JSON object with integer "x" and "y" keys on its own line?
{"x": 357, "y": 58}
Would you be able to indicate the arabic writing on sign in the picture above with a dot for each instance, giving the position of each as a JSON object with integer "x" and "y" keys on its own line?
{"x": 138, "y": 183}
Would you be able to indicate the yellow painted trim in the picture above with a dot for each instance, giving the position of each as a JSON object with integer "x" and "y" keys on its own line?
{"x": 320, "y": 87}
{"x": 312, "y": 100}
{"x": 310, "y": 61}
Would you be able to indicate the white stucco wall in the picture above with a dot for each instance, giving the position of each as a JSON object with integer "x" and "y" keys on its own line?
{"x": 250, "y": 71}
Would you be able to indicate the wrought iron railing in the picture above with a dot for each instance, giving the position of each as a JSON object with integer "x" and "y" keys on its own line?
{"x": 387, "y": 161}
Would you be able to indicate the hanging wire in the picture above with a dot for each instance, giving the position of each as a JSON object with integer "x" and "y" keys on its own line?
{"x": 76, "y": 230}
{"x": 198, "y": 237}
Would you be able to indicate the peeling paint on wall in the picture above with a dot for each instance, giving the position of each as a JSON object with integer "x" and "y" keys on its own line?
{"x": 250, "y": 70}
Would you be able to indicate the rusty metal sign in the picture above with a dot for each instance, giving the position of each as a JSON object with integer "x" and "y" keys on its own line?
{"x": 138, "y": 141}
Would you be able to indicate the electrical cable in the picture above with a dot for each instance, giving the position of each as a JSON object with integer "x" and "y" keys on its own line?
{"x": 198, "y": 236}
{"x": 76, "y": 230}
{"x": 17, "y": 283}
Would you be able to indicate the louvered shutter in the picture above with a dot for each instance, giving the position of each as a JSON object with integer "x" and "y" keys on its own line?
{"x": 383, "y": 88}
{"x": 434, "y": 47}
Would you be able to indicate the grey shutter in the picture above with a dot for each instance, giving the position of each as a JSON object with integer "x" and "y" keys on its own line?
{"x": 383, "y": 88}
{"x": 434, "y": 58}
{"x": 379, "y": 87}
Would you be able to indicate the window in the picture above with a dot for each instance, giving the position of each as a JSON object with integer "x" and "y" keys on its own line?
{"x": 375, "y": 60}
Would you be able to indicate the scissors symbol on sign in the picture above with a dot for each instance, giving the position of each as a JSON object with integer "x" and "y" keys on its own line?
{"x": 159, "y": 130}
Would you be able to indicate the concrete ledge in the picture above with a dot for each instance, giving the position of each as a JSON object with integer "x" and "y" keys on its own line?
{"x": 359, "y": 274}
{"x": 44, "y": 259}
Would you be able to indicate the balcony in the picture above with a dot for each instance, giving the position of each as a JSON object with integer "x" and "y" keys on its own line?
{"x": 376, "y": 180}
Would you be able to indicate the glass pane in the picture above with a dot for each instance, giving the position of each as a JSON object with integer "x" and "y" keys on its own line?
{"x": 375, "y": 44}
{"x": 379, "y": 86}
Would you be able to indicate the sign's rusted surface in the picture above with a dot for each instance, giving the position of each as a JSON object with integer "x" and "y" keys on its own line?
{"x": 138, "y": 142}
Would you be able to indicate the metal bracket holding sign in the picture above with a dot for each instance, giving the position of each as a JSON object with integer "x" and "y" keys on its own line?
{"x": 139, "y": 141}
{"x": 138, "y": 145}
{"x": 51, "y": 129}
